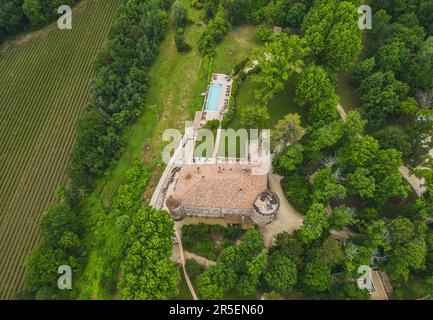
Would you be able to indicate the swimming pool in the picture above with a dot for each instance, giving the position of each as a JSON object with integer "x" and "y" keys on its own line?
{"x": 213, "y": 98}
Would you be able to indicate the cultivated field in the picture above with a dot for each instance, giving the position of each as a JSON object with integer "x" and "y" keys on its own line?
{"x": 44, "y": 87}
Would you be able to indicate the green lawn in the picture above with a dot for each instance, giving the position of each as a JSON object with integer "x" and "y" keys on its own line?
{"x": 349, "y": 95}
{"x": 235, "y": 47}
{"x": 280, "y": 105}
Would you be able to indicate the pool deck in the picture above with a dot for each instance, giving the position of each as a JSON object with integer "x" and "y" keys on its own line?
{"x": 224, "y": 100}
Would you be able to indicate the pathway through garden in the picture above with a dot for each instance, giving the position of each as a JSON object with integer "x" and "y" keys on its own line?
{"x": 416, "y": 183}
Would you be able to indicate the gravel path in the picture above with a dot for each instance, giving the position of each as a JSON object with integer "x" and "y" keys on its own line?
{"x": 201, "y": 260}
{"x": 287, "y": 220}
{"x": 182, "y": 261}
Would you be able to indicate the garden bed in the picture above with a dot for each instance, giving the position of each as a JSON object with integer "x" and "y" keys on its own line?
{"x": 209, "y": 240}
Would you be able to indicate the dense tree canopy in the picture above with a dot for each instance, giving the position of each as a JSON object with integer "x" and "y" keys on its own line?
{"x": 281, "y": 274}
{"x": 290, "y": 160}
{"x": 55, "y": 222}
{"x": 326, "y": 186}
{"x": 314, "y": 86}
{"x": 288, "y": 13}
{"x": 118, "y": 91}
{"x": 214, "y": 32}
{"x": 149, "y": 273}
{"x": 288, "y": 130}
{"x": 407, "y": 249}
{"x": 11, "y": 17}
{"x": 371, "y": 168}
{"x": 382, "y": 96}
{"x": 245, "y": 11}
{"x": 332, "y": 33}
{"x": 238, "y": 268}
{"x": 278, "y": 60}
{"x": 179, "y": 15}
{"x": 317, "y": 276}
{"x": 315, "y": 223}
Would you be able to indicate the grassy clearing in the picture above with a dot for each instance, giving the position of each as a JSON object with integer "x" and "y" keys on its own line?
{"x": 350, "y": 98}
{"x": 280, "y": 105}
{"x": 44, "y": 87}
{"x": 349, "y": 95}
{"x": 235, "y": 47}
{"x": 176, "y": 82}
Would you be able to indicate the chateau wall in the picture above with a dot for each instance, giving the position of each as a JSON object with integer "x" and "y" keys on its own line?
{"x": 215, "y": 212}
{"x": 262, "y": 220}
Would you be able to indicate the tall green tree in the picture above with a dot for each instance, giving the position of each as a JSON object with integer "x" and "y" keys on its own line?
{"x": 281, "y": 274}
{"x": 407, "y": 249}
{"x": 238, "y": 268}
{"x": 288, "y": 130}
{"x": 425, "y": 63}
{"x": 11, "y": 17}
{"x": 33, "y": 11}
{"x": 424, "y": 13}
{"x": 289, "y": 246}
{"x": 314, "y": 86}
{"x": 315, "y": 223}
{"x": 179, "y": 14}
{"x": 317, "y": 276}
{"x": 395, "y": 137}
{"x": 290, "y": 160}
{"x": 327, "y": 187}
{"x": 368, "y": 167}
{"x": 393, "y": 56}
{"x": 149, "y": 273}
{"x": 278, "y": 60}
{"x": 332, "y": 34}
{"x": 55, "y": 222}
{"x": 331, "y": 252}
{"x": 254, "y": 118}
{"x": 382, "y": 95}
{"x": 41, "y": 268}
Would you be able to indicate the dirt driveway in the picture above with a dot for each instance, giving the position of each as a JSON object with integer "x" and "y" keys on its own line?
{"x": 287, "y": 220}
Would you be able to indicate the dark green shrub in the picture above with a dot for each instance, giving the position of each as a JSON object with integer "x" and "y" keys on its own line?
{"x": 297, "y": 190}
{"x": 181, "y": 44}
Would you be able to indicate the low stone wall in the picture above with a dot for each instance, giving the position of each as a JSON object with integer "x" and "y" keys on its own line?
{"x": 216, "y": 212}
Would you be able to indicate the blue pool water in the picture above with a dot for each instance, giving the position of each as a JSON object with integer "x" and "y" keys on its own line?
{"x": 214, "y": 97}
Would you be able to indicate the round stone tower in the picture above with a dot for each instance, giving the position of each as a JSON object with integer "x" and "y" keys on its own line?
{"x": 265, "y": 208}
{"x": 174, "y": 205}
